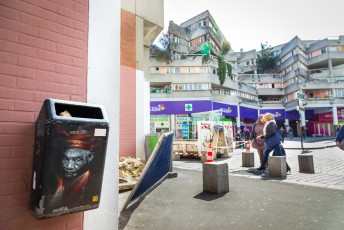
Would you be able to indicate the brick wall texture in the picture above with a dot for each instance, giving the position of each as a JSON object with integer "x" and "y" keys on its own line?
{"x": 43, "y": 54}
{"x": 127, "y": 137}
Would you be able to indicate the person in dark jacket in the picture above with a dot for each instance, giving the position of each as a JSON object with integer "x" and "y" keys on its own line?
{"x": 340, "y": 138}
{"x": 247, "y": 134}
{"x": 256, "y": 134}
{"x": 270, "y": 129}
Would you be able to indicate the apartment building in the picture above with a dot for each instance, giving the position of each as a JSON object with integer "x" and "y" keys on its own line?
{"x": 308, "y": 76}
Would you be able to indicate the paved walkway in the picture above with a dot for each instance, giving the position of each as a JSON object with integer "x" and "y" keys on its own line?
{"x": 254, "y": 200}
{"x": 179, "y": 203}
{"x": 328, "y": 164}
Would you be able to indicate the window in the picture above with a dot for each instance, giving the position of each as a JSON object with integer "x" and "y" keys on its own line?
{"x": 323, "y": 50}
{"x": 176, "y": 69}
{"x": 168, "y": 70}
{"x": 189, "y": 69}
{"x": 339, "y": 92}
{"x": 157, "y": 68}
{"x": 175, "y": 40}
{"x": 197, "y": 41}
{"x": 195, "y": 86}
{"x": 201, "y": 24}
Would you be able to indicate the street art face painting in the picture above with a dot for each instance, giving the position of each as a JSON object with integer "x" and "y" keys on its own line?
{"x": 74, "y": 169}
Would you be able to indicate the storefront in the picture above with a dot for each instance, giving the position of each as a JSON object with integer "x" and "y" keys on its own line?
{"x": 279, "y": 115}
{"x": 182, "y": 116}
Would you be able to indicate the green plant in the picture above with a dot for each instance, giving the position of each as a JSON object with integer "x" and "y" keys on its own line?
{"x": 266, "y": 60}
{"x": 222, "y": 65}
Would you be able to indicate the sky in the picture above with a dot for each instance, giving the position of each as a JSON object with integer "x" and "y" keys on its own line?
{"x": 248, "y": 23}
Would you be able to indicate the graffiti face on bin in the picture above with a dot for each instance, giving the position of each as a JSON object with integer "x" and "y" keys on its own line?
{"x": 74, "y": 161}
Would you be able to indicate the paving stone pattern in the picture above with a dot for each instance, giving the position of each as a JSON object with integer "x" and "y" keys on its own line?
{"x": 328, "y": 165}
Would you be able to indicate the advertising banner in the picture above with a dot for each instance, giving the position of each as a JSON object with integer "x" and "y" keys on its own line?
{"x": 227, "y": 110}
{"x": 279, "y": 114}
{"x": 179, "y": 107}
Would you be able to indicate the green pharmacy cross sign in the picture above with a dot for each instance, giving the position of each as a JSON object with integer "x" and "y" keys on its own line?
{"x": 188, "y": 107}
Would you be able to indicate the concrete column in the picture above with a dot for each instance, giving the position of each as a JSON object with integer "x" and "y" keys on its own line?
{"x": 238, "y": 117}
{"x": 103, "y": 88}
{"x": 303, "y": 118}
{"x": 286, "y": 122}
{"x": 335, "y": 119}
{"x": 331, "y": 75}
{"x": 173, "y": 122}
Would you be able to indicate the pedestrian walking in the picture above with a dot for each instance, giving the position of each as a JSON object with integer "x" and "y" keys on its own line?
{"x": 290, "y": 133}
{"x": 340, "y": 138}
{"x": 272, "y": 138}
{"x": 238, "y": 139}
{"x": 281, "y": 130}
{"x": 247, "y": 134}
{"x": 257, "y": 141}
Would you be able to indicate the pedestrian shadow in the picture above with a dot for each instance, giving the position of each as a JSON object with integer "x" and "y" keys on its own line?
{"x": 263, "y": 174}
{"x": 208, "y": 196}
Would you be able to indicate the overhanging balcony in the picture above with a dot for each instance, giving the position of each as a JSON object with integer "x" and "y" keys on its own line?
{"x": 291, "y": 88}
{"x": 260, "y": 78}
{"x": 270, "y": 91}
{"x": 183, "y": 94}
{"x": 321, "y": 61}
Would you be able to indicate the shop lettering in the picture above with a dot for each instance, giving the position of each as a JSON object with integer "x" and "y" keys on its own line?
{"x": 155, "y": 109}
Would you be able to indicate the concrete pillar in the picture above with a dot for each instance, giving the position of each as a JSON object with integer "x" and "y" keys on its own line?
{"x": 303, "y": 118}
{"x": 286, "y": 122}
{"x": 331, "y": 75}
{"x": 330, "y": 67}
{"x": 173, "y": 122}
{"x": 215, "y": 177}
{"x": 277, "y": 166}
{"x": 335, "y": 119}
{"x": 238, "y": 117}
{"x": 103, "y": 88}
{"x": 306, "y": 164}
{"x": 247, "y": 159}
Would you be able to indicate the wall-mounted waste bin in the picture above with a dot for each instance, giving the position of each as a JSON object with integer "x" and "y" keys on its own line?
{"x": 69, "y": 157}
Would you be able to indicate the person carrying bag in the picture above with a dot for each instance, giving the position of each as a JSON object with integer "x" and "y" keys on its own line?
{"x": 272, "y": 138}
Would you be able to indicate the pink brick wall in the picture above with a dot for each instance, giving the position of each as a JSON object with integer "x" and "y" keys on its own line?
{"x": 43, "y": 55}
{"x": 127, "y": 137}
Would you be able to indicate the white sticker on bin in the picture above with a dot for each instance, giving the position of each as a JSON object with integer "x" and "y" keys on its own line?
{"x": 100, "y": 132}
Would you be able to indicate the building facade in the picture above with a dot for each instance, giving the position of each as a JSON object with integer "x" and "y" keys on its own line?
{"x": 141, "y": 23}
{"x": 305, "y": 89}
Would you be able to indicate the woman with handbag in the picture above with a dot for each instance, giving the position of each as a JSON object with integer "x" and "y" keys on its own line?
{"x": 272, "y": 138}
{"x": 257, "y": 141}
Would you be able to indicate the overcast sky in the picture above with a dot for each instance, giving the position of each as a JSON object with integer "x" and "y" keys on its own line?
{"x": 248, "y": 23}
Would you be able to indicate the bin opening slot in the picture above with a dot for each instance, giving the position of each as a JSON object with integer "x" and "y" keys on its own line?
{"x": 79, "y": 111}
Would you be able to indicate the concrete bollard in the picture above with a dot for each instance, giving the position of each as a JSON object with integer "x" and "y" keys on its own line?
{"x": 306, "y": 164}
{"x": 277, "y": 166}
{"x": 247, "y": 159}
{"x": 215, "y": 178}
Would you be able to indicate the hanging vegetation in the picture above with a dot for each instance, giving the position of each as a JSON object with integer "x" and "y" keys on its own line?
{"x": 229, "y": 70}
{"x": 222, "y": 65}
